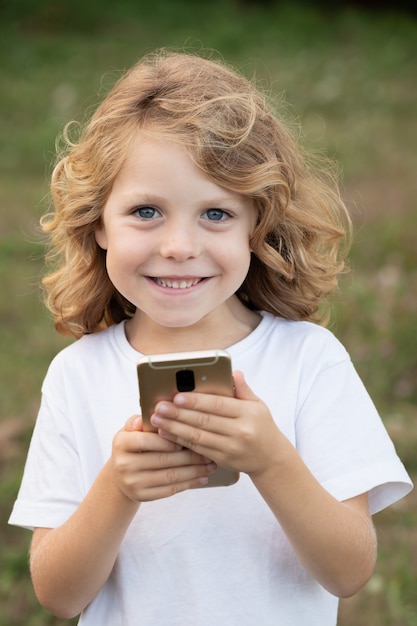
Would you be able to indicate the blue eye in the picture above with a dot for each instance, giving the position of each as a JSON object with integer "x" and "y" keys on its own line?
{"x": 146, "y": 212}
{"x": 216, "y": 215}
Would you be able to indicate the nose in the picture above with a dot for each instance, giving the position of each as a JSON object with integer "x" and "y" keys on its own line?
{"x": 180, "y": 242}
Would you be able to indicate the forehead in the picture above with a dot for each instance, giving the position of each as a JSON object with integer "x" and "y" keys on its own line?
{"x": 154, "y": 163}
{"x": 145, "y": 151}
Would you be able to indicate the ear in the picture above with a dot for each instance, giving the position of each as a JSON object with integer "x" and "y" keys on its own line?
{"x": 101, "y": 237}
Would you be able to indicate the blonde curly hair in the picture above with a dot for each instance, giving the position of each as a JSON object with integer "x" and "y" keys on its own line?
{"x": 233, "y": 135}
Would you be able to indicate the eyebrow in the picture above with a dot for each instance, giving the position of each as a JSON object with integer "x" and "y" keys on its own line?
{"x": 137, "y": 197}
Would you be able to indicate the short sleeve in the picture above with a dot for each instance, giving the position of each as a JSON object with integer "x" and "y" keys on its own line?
{"x": 52, "y": 485}
{"x": 343, "y": 440}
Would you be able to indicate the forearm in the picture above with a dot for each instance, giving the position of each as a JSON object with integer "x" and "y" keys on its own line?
{"x": 71, "y": 563}
{"x": 334, "y": 540}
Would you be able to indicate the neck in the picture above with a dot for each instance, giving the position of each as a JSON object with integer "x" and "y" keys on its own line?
{"x": 212, "y": 332}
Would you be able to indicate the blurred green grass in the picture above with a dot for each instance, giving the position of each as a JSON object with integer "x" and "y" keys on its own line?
{"x": 349, "y": 78}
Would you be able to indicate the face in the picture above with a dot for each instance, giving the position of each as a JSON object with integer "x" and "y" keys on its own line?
{"x": 177, "y": 243}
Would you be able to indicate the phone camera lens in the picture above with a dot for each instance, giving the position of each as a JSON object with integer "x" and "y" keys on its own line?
{"x": 185, "y": 380}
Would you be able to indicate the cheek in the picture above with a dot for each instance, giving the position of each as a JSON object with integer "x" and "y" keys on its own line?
{"x": 119, "y": 258}
{"x": 124, "y": 246}
{"x": 239, "y": 259}
{"x": 242, "y": 247}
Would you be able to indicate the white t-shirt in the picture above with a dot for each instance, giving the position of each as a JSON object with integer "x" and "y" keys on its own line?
{"x": 218, "y": 555}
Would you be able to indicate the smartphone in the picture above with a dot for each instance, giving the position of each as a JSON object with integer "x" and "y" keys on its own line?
{"x": 162, "y": 376}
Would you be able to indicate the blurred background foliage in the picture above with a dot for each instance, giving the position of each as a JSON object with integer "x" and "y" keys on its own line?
{"x": 347, "y": 73}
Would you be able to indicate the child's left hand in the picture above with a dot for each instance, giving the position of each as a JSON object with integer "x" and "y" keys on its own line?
{"x": 238, "y": 433}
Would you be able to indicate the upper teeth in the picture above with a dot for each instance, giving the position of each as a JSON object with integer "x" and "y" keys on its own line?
{"x": 177, "y": 284}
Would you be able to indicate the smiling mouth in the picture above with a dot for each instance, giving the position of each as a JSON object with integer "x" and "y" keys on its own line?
{"x": 177, "y": 283}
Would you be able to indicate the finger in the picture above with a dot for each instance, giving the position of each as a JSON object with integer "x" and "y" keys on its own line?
{"x": 134, "y": 423}
{"x": 242, "y": 389}
{"x": 202, "y": 442}
{"x": 139, "y": 481}
{"x": 188, "y": 426}
{"x": 163, "y": 460}
{"x": 164, "y": 483}
{"x": 207, "y": 406}
{"x": 217, "y": 404}
{"x": 138, "y": 441}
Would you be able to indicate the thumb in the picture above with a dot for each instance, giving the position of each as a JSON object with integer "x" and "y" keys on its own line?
{"x": 133, "y": 423}
{"x": 242, "y": 389}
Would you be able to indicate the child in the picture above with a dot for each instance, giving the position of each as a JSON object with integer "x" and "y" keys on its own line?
{"x": 187, "y": 218}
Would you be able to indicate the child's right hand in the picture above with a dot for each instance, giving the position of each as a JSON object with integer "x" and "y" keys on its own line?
{"x": 147, "y": 467}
